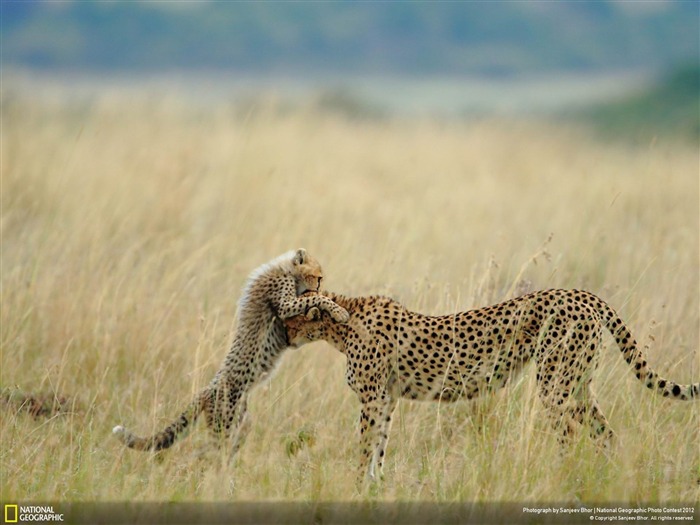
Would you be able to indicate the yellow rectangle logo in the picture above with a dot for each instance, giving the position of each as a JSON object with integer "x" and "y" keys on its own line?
{"x": 11, "y": 513}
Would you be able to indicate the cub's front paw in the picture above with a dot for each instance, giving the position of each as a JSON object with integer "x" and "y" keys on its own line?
{"x": 340, "y": 316}
{"x": 313, "y": 314}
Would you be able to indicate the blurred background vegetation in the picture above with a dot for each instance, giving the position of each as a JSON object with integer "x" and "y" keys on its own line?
{"x": 628, "y": 68}
{"x": 671, "y": 105}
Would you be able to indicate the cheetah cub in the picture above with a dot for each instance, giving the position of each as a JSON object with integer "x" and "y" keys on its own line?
{"x": 271, "y": 294}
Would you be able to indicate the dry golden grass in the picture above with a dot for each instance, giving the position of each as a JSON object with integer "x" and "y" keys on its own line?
{"x": 128, "y": 231}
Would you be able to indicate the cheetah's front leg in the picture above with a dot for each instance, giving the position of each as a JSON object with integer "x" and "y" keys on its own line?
{"x": 375, "y": 423}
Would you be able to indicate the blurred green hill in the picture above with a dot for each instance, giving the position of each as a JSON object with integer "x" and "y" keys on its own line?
{"x": 672, "y": 106}
{"x": 487, "y": 38}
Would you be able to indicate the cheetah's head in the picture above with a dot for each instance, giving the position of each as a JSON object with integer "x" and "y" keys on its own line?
{"x": 307, "y": 328}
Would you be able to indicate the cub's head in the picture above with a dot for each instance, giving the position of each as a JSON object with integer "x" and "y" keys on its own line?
{"x": 307, "y": 272}
{"x": 307, "y": 328}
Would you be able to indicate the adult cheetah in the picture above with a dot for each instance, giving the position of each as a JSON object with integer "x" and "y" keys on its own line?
{"x": 393, "y": 352}
{"x": 272, "y": 293}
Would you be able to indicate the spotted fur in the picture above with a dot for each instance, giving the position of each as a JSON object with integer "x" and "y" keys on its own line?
{"x": 272, "y": 293}
{"x": 393, "y": 352}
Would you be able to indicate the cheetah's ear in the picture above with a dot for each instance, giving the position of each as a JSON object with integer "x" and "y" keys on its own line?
{"x": 299, "y": 257}
{"x": 313, "y": 314}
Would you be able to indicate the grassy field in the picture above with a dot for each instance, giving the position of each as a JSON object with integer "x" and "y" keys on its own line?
{"x": 128, "y": 231}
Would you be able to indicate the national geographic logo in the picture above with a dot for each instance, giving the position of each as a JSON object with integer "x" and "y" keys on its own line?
{"x": 10, "y": 513}
{"x": 30, "y": 513}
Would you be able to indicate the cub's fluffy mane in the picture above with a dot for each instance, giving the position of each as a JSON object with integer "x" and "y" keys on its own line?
{"x": 282, "y": 262}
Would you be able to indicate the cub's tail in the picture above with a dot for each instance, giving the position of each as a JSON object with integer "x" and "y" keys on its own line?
{"x": 166, "y": 437}
{"x": 635, "y": 356}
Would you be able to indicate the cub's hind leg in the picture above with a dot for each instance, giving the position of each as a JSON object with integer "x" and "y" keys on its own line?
{"x": 227, "y": 418}
{"x": 241, "y": 426}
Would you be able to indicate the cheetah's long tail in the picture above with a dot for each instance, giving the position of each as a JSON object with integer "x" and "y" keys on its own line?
{"x": 636, "y": 357}
{"x": 166, "y": 437}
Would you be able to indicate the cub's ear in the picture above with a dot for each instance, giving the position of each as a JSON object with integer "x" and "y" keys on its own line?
{"x": 299, "y": 257}
{"x": 313, "y": 314}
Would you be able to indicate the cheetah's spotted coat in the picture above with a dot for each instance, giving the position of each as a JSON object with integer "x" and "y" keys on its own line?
{"x": 393, "y": 352}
